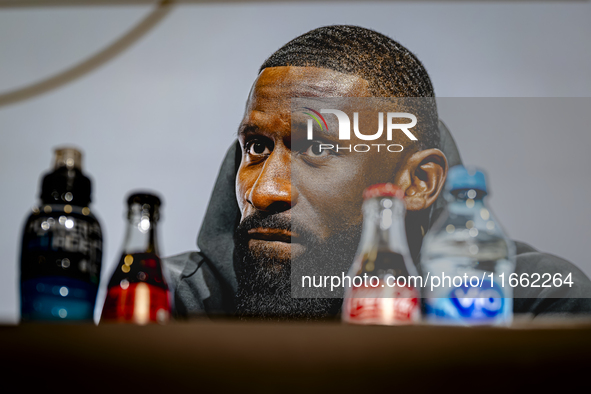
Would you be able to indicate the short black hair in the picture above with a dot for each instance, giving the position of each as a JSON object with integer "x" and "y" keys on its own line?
{"x": 390, "y": 69}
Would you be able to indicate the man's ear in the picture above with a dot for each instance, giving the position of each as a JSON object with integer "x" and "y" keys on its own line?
{"x": 422, "y": 178}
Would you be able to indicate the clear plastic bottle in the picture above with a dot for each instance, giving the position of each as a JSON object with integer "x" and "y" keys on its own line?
{"x": 61, "y": 247}
{"x": 380, "y": 286}
{"x": 137, "y": 292}
{"x": 467, "y": 242}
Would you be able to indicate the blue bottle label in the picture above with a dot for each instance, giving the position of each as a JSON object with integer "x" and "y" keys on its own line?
{"x": 60, "y": 265}
{"x": 57, "y": 298}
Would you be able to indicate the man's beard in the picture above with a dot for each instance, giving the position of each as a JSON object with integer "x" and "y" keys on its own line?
{"x": 264, "y": 281}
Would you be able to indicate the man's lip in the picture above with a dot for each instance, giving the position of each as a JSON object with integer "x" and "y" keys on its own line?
{"x": 271, "y": 234}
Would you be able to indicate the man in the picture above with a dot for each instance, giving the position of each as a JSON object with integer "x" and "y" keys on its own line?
{"x": 259, "y": 220}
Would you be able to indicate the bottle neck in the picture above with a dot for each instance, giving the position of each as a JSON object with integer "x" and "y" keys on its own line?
{"x": 467, "y": 203}
{"x": 468, "y": 213}
{"x": 141, "y": 235}
{"x": 383, "y": 225}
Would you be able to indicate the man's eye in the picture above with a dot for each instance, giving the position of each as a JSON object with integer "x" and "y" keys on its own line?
{"x": 315, "y": 150}
{"x": 257, "y": 148}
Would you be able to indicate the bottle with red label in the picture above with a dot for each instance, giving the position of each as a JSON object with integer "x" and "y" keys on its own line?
{"x": 380, "y": 286}
{"x": 137, "y": 292}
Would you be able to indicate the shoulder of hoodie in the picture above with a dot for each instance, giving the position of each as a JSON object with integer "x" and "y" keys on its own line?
{"x": 196, "y": 287}
{"x": 543, "y": 268}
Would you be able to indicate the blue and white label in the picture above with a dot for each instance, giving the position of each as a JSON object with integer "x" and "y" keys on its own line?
{"x": 484, "y": 302}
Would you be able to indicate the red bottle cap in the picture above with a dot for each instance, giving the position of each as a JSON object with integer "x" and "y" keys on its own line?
{"x": 383, "y": 190}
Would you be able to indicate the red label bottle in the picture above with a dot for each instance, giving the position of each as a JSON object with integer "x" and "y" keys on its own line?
{"x": 137, "y": 292}
{"x": 381, "y": 286}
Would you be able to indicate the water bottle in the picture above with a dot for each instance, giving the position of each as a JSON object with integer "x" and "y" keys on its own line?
{"x": 464, "y": 257}
{"x": 61, "y": 248}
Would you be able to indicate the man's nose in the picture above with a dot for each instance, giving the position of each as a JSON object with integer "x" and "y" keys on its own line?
{"x": 272, "y": 190}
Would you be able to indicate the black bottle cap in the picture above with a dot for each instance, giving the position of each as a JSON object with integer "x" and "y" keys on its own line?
{"x": 66, "y": 184}
{"x": 149, "y": 205}
{"x": 141, "y": 197}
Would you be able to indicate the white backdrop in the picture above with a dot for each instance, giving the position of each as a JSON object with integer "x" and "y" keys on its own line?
{"x": 161, "y": 115}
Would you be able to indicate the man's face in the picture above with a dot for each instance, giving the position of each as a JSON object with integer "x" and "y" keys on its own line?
{"x": 293, "y": 200}
{"x": 326, "y": 189}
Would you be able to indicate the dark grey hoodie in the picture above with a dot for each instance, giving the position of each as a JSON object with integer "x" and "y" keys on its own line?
{"x": 204, "y": 283}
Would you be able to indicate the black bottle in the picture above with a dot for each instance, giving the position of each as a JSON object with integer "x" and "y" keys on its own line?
{"x": 61, "y": 247}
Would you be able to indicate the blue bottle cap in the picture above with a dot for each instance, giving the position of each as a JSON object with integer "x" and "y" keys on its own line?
{"x": 460, "y": 177}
